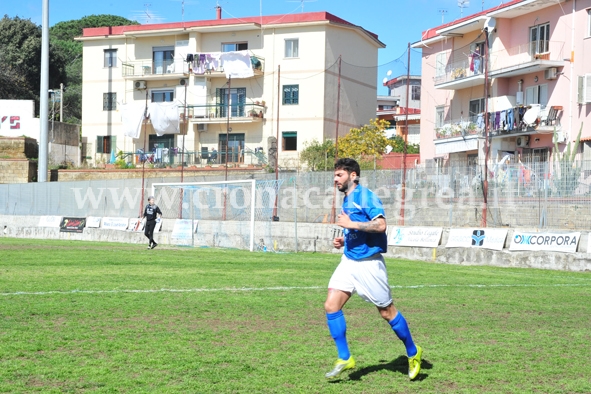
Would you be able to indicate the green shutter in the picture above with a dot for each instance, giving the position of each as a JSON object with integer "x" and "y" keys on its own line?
{"x": 99, "y": 144}
{"x": 287, "y": 134}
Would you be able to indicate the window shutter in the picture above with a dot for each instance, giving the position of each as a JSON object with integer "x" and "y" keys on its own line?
{"x": 99, "y": 144}
{"x": 587, "y": 96}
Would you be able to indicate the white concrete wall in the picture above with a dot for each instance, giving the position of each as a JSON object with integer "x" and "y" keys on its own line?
{"x": 17, "y": 119}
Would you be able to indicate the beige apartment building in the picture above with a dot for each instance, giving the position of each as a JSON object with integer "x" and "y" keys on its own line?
{"x": 237, "y": 86}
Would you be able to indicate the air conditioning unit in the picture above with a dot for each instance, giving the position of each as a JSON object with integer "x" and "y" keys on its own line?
{"x": 522, "y": 142}
{"x": 139, "y": 84}
{"x": 183, "y": 82}
{"x": 201, "y": 127}
{"x": 551, "y": 73}
{"x": 559, "y": 137}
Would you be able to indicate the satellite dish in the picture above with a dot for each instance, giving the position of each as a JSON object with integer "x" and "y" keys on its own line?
{"x": 389, "y": 73}
{"x": 384, "y": 80}
{"x": 490, "y": 24}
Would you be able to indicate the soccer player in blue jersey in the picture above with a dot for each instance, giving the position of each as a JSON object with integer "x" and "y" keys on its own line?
{"x": 362, "y": 269}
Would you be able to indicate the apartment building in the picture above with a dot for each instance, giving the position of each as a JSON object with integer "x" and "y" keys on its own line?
{"x": 240, "y": 86}
{"x": 531, "y": 59}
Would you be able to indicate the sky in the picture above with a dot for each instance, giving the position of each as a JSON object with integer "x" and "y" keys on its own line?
{"x": 396, "y": 22}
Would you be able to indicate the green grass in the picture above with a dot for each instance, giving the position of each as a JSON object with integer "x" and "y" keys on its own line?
{"x": 79, "y": 317}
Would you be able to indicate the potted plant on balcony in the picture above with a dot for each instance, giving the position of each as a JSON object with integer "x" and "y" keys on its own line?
{"x": 253, "y": 113}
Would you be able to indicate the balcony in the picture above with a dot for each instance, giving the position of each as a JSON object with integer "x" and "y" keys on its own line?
{"x": 459, "y": 135}
{"x": 218, "y": 113}
{"x": 164, "y": 69}
{"x": 154, "y": 70}
{"x": 523, "y": 59}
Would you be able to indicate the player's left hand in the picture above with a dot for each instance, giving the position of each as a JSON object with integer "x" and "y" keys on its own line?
{"x": 344, "y": 220}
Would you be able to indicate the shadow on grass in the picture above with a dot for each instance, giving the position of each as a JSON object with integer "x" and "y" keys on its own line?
{"x": 400, "y": 365}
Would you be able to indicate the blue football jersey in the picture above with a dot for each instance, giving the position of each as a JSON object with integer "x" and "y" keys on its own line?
{"x": 362, "y": 205}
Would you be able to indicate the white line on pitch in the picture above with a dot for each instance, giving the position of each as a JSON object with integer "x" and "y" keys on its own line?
{"x": 239, "y": 289}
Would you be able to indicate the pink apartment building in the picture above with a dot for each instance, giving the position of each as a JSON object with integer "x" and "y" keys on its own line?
{"x": 536, "y": 73}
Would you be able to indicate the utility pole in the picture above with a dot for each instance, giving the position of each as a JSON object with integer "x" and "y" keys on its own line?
{"x": 43, "y": 148}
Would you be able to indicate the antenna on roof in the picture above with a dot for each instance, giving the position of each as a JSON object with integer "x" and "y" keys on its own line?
{"x": 301, "y": 2}
{"x": 442, "y": 11}
{"x": 463, "y": 4}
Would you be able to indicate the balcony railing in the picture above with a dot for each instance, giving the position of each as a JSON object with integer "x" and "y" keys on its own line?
{"x": 144, "y": 68}
{"x": 527, "y": 53}
{"x": 523, "y": 54}
{"x": 457, "y": 128}
{"x": 217, "y": 112}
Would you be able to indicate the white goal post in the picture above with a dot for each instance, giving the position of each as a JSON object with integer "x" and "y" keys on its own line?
{"x": 225, "y": 210}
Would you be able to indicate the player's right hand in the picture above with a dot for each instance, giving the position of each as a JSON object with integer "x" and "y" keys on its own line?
{"x": 338, "y": 242}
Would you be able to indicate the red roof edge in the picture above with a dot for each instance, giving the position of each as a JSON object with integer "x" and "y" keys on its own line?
{"x": 430, "y": 33}
{"x": 265, "y": 20}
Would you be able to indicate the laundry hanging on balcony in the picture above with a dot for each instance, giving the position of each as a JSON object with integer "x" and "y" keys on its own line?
{"x": 164, "y": 118}
{"x": 132, "y": 116}
{"x": 237, "y": 64}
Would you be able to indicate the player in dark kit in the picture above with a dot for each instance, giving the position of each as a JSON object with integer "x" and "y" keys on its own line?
{"x": 362, "y": 269}
{"x": 152, "y": 214}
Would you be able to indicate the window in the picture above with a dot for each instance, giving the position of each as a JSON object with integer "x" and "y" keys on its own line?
{"x": 104, "y": 144}
{"x": 416, "y": 93}
{"x": 109, "y": 101}
{"x": 539, "y": 39}
{"x": 237, "y": 101}
{"x": 440, "y": 61}
{"x": 162, "y": 96}
{"x": 290, "y": 140}
{"x": 537, "y": 95}
{"x": 476, "y": 107}
{"x": 291, "y": 94}
{"x": 291, "y": 48}
{"x": 589, "y": 22}
{"x": 439, "y": 116}
{"x": 110, "y": 58}
{"x": 163, "y": 58}
{"x": 234, "y": 46}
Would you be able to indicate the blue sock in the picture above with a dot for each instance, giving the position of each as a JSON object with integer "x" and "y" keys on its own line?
{"x": 400, "y": 327}
{"x": 338, "y": 330}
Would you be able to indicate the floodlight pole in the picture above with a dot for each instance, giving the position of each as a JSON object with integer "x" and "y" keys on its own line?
{"x": 43, "y": 99}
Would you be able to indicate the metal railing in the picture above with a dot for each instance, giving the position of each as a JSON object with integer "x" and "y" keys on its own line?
{"x": 220, "y": 111}
{"x": 460, "y": 65}
{"x": 148, "y": 67}
{"x": 458, "y": 128}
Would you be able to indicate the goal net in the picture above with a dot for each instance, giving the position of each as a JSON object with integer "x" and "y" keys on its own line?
{"x": 233, "y": 214}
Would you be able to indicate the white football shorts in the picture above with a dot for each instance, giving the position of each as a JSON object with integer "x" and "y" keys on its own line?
{"x": 368, "y": 278}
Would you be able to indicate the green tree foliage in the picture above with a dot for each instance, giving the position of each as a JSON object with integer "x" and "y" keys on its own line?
{"x": 397, "y": 144}
{"x": 318, "y": 156}
{"x": 20, "y": 60}
{"x": 368, "y": 140}
{"x": 62, "y": 36}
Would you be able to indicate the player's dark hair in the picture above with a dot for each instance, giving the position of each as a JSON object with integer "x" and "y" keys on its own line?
{"x": 349, "y": 165}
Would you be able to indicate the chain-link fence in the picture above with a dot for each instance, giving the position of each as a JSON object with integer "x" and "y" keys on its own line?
{"x": 541, "y": 194}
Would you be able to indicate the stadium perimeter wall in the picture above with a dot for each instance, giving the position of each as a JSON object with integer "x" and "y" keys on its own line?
{"x": 311, "y": 237}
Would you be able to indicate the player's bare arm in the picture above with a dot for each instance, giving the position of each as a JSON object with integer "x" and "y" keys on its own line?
{"x": 377, "y": 225}
{"x": 338, "y": 242}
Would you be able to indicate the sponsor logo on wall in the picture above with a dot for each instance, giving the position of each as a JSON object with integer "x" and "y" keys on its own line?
{"x": 115, "y": 223}
{"x": 72, "y": 225}
{"x": 487, "y": 238}
{"x": 558, "y": 242}
{"x": 427, "y": 237}
{"x": 50, "y": 221}
{"x": 182, "y": 229}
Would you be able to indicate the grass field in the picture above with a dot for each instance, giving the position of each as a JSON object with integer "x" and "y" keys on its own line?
{"x": 79, "y": 317}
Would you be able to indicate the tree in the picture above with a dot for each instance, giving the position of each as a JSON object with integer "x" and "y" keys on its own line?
{"x": 366, "y": 141}
{"x": 62, "y": 37}
{"x": 397, "y": 144}
{"x": 20, "y": 60}
{"x": 318, "y": 156}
